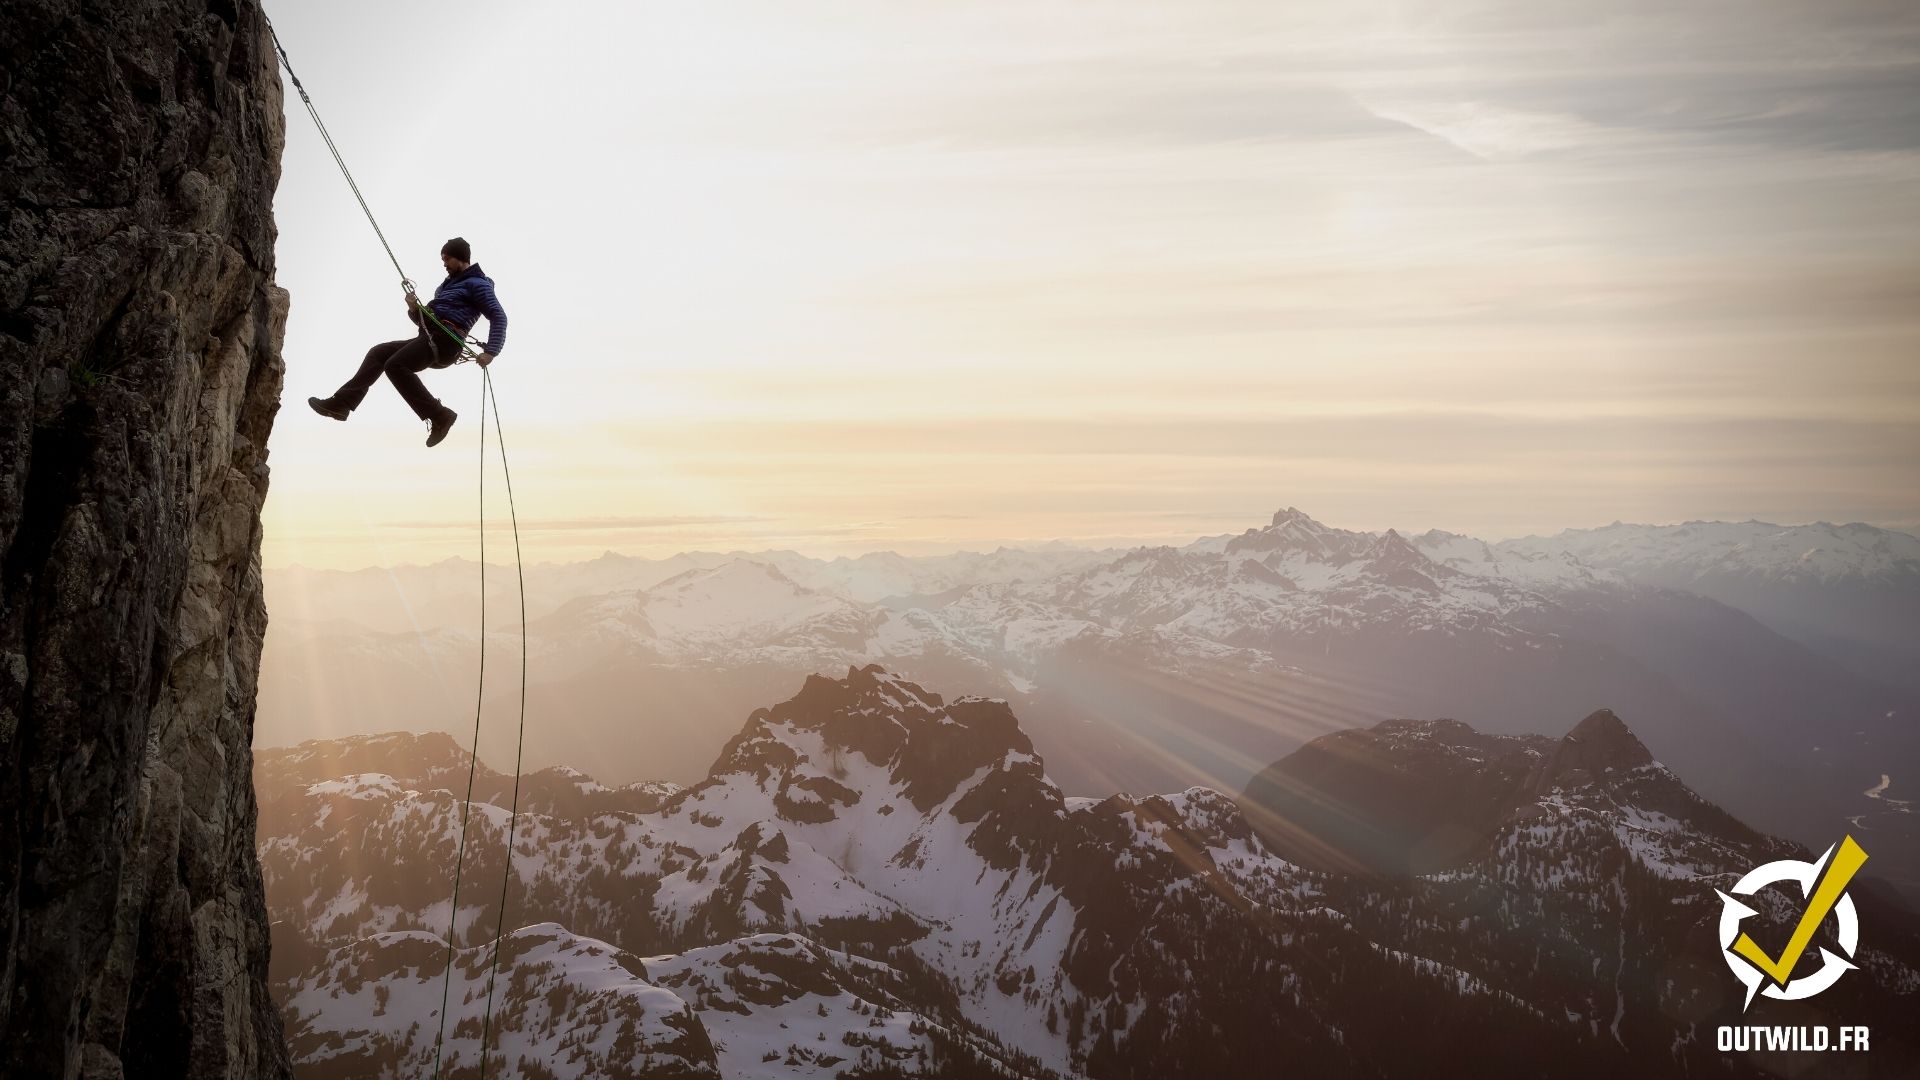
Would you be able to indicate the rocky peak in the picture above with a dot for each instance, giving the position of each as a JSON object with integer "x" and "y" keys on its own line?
{"x": 1409, "y": 796}
{"x": 925, "y": 743}
{"x": 1597, "y": 745}
{"x": 1393, "y": 549}
{"x": 1162, "y": 558}
{"x": 1295, "y": 531}
{"x": 1200, "y": 818}
{"x": 1393, "y": 561}
{"x": 418, "y": 759}
{"x": 1421, "y": 795}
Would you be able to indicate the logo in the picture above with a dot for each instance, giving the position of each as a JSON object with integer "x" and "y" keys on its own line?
{"x": 1823, "y": 885}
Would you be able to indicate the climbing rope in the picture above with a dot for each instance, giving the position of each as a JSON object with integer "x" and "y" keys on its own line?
{"x": 334, "y": 150}
{"x": 488, "y": 401}
{"x": 473, "y": 761}
{"x": 513, "y": 814}
{"x": 466, "y": 350}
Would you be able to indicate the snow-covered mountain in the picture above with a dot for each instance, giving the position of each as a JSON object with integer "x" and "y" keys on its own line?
{"x": 711, "y": 612}
{"x": 883, "y": 575}
{"x": 1850, "y": 592}
{"x": 446, "y": 594}
{"x": 1817, "y": 553}
{"x": 1421, "y": 796}
{"x": 873, "y": 880}
{"x": 1160, "y": 667}
{"x": 760, "y": 1007}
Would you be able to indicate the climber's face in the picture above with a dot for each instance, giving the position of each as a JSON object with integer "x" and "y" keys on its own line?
{"x": 449, "y": 262}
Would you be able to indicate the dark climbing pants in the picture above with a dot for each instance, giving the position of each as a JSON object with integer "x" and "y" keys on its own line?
{"x": 402, "y": 361}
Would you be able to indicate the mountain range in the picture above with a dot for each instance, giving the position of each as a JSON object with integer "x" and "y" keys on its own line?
{"x": 1160, "y": 668}
{"x": 872, "y": 880}
{"x": 1850, "y": 592}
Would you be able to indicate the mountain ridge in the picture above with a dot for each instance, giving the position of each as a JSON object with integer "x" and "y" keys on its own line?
{"x": 877, "y": 819}
{"x": 1163, "y": 667}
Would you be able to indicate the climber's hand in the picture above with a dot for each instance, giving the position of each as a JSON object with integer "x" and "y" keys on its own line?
{"x": 483, "y": 359}
{"x": 413, "y": 301}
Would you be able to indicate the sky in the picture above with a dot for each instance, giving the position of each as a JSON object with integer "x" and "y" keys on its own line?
{"x": 845, "y": 277}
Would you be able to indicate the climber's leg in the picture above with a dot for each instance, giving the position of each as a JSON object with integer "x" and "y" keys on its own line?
{"x": 348, "y": 397}
{"x": 402, "y": 369}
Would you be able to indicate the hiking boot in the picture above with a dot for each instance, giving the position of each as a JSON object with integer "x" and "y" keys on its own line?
{"x": 442, "y": 423}
{"x": 325, "y": 407}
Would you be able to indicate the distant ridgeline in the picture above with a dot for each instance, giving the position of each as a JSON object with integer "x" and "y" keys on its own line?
{"x": 1160, "y": 668}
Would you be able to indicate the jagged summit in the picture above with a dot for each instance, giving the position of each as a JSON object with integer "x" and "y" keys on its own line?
{"x": 400, "y": 753}
{"x": 863, "y": 809}
{"x": 1418, "y": 796}
{"x": 1403, "y": 796}
{"x": 1294, "y": 531}
{"x": 1294, "y": 516}
{"x": 1597, "y": 745}
{"x": 923, "y": 743}
{"x": 1391, "y": 540}
{"x": 1160, "y": 555}
{"x": 435, "y": 764}
{"x": 1393, "y": 561}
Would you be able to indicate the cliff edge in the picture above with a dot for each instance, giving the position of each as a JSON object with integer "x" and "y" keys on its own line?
{"x": 139, "y": 374}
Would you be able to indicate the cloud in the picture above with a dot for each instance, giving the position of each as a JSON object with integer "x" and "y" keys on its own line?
{"x": 1494, "y": 132}
{"x": 873, "y": 449}
{"x": 1617, "y": 238}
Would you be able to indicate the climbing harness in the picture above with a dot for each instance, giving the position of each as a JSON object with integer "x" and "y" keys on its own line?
{"x": 488, "y": 401}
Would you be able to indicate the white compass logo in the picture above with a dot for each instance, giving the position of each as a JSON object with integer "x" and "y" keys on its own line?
{"x": 1762, "y": 973}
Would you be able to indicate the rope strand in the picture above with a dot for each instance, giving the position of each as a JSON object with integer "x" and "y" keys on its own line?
{"x": 334, "y": 150}
{"x": 466, "y": 344}
{"x": 473, "y": 761}
{"x": 487, "y": 398}
{"x": 513, "y": 815}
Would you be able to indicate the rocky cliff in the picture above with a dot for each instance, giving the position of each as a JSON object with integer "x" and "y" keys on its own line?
{"x": 139, "y": 375}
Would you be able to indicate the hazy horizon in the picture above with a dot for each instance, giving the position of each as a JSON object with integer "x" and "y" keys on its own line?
{"x": 500, "y": 539}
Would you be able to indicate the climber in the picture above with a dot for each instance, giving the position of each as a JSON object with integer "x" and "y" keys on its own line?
{"x": 466, "y": 295}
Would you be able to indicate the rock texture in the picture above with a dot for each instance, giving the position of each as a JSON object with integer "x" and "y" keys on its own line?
{"x": 1401, "y": 797}
{"x": 1597, "y": 745}
{"x": 139, "y": 375}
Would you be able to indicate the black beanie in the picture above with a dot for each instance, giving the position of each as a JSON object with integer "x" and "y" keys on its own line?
{"x": 458, "y": 248}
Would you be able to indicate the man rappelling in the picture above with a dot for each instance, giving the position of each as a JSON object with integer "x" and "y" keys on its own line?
{"x": 466, "y": 295}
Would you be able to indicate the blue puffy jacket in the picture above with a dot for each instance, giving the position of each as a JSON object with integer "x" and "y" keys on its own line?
{"x": 466, "y": 296}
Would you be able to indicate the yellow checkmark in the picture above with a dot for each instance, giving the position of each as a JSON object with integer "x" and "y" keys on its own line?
{"x": 1847, "y": 862}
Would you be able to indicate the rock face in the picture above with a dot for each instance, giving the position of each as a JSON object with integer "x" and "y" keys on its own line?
{"x": 1596, "y": 746}
{"x": 1401, "y": 797}
{"x": 139, "y": 375}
